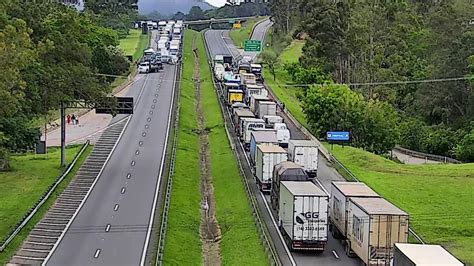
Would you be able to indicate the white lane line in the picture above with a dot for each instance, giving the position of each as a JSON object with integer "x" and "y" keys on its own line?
{"x": 87, "y": 195}
{"x": 133, "y": 163}
{"x": 107, "y": 228}
{"x": 116, "y": 207}
{"x": 97, "y": 253}
{"x": 335, "y": 254}
{"x": 122, "y": 191}
{"x": 141, "y": 93}
{"x": 152, "y": 216}
{"x": 137, "y": 152}
{"x": 129, "y": 176}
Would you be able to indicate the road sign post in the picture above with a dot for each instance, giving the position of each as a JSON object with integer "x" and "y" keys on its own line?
{"x": 252, "y": 46}
{"x": 337, "y": 136}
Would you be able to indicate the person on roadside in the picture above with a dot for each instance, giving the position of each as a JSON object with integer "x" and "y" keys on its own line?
{"x": 68, "y": 118}
{"x": 73, "y": 119}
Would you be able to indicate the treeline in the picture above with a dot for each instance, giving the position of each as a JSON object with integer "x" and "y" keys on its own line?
{"x": 366, "y": 43}
{"x": 49, "y": 53}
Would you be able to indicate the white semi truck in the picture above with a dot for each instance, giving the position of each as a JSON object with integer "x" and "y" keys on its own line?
{"x": 304, "y": 153}
{"x": 303, "y": 215}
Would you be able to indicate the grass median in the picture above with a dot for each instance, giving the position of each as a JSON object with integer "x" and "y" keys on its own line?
{"x": 238, "y": 36}
{"x": 183, "y": 242}
{"x": 22, "y": 187}
{"x": 240, "y": 244}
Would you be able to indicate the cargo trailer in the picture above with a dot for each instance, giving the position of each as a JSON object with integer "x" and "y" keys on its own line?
{"x": 303, "y": 215}
{"x": 374, "y": 225}
{"x": 341, "y": 192}
{"x": 251, "y": 89}
{"x": 246, "y": 127}
{"x": 283, "y": 134}
{"x": 248, "y": 78}
{"x": 285, "y": 171}
{"x": 254, "y": 99}
{"x": 234, "y": 96}
{"x": 264, "y": 108}
{"x": 238, "y": 115}
{"x": 423, "y": 255}
{"x": 256, "y": 69}
{"x": 270, "y": 120}
{"x": 266, "y": 158}
{"x": 261, "y": 137}
{"x": 304, "y": 153}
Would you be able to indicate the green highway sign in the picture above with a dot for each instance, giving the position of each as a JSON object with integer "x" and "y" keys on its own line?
{"x": 252, "y": 46}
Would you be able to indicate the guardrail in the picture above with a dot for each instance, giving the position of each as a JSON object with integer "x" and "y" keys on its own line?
{"x": 46, "y": 195}
{"x": 261, "y": 226}
{"x": 426, "y": 156}
{"x": 169, "y": 187}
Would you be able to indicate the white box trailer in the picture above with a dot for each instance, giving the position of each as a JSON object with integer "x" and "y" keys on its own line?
{"x": 266, "y": 158}
{"x": 304, "y": 153}
{"x": 254, "y": 99}
{"x": 238, "y": 115}
{"x": 423, "y": 255}
{"x": 374, "y": 225}
{"x": 261, "y": 137}
{"x": 251, "y": 89}
{"x": 341, "y": 192}
{"x": 270, "y": 120}
{"x": 248, "y": 125}
{"x": 303, "y": 215}
{"x": 264, "y": 108}
{"x": 283, "y": 134}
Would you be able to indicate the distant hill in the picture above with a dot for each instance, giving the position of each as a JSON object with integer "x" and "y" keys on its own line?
{"x": 167, "y": 7}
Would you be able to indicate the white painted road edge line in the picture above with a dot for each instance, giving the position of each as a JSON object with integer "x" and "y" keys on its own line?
{"x": 85, "y": 198}
{"x": 290, "y": 256}
{"x": 335, "y": 254}
{"x": 157, "y": 189}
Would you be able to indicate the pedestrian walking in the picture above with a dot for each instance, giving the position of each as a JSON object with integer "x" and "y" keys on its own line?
{"x": 283, "y": 106}
{"x": 68, "y": 117}
{"x": 77, "y": 120}
{"x": 73, "y": 119}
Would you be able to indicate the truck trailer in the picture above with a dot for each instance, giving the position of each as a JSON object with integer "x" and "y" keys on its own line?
{"x": 254, "y": 99}
{"x": 238, "y": 115}
{"x": 264, "y": 108}
{"x": 261, "y": 137}
{"x": 422, "y": 255}
{"x": 374, "y": 225}
{"x": 304, "y": 153}
{"x": 266, "y": 158}
{"x": 285, "y": 171}
{"x": 303, "y": 215}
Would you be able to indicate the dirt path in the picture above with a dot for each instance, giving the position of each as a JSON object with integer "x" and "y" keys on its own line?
{"x": 209, "y": 230}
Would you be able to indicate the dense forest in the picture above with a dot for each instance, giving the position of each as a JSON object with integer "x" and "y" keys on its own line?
{"x": 49, "y": 52}
{"x": 407, "y": 69}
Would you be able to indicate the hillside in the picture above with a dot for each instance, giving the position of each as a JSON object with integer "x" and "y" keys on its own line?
{"x": 167, "y": 7}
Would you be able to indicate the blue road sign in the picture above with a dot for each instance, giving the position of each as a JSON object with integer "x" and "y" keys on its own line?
{"x": 337, "y": 135}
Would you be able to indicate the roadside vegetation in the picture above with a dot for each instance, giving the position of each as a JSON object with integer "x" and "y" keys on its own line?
{"x": 134, "y": 44}
{"x": 438, "y": 197}
{"x": 366, "y": 45}
{"x": 238, "y": 36}
{"x": 183, "y": 244}
{"x": 240, "y": 244}
{"x": 22, "y": 186}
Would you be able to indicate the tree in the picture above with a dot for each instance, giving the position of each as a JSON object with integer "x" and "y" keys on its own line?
{"x": 195, "y": 13}
{"x": 179, "y": 16}
{"x": 464, "y": 151}
{"x": 271, "y": 60}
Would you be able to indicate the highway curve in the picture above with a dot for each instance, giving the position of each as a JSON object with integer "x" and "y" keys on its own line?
{"x": 113, "y": 226}
{"x": 219, "y": 43}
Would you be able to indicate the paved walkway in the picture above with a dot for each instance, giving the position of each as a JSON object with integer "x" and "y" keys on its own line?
{"x": 90, "y": 127}
{"x": 407, "y": 159}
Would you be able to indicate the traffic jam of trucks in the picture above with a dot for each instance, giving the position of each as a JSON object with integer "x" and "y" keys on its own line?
{"x": 369, "y": 226}
{"x": 168, "y": 45}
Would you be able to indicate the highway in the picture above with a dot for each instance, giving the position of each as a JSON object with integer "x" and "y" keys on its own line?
{"x": 219, "y": 43}
{"x": 113, "y": 227}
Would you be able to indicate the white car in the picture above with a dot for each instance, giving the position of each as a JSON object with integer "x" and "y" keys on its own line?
{"x": 144, "y": 67}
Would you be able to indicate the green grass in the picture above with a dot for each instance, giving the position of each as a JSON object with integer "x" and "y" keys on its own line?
{"x": 439, "y": 198}
{"x": 292, "y": 53}
{"x": 238, "y": 36}
{"x": 183, "y": 243}
{"x": 240, "y": 244}
{"x": 22, "y": 187}
{"x": 134, "y": 44}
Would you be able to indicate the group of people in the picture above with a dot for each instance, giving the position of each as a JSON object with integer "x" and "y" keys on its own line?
{"x": 72, "y": 119}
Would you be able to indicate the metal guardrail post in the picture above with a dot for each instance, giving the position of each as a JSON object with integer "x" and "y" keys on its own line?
{"x": 29, "y": 215}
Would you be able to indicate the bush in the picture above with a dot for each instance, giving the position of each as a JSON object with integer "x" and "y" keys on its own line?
{"x": 464, "y": 151}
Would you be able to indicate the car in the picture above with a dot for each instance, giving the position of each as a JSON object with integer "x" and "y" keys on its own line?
{"x": 144, "y": 67}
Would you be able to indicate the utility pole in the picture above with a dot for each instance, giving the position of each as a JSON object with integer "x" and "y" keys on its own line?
{"x": 63, "y": 134}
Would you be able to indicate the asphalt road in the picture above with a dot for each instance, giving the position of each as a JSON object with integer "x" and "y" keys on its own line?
{"x": 334, "y": 254}
{"x": 113, "y": 226}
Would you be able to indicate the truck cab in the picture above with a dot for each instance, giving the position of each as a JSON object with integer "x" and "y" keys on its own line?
{"x": 283, "y": 134}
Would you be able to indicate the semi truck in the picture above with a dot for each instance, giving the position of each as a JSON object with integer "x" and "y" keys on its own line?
{"x": 304, "y": 153}
{"x": 283, "y": 134}
{"x": 285, "y": 171}
{"x": 254, "y": 99}
{"x": 261, "y": 137}
{"x": 264, "y": 108}
{"x": 234, "y": 96}
{"x": 374, "y": 225}
{"x": 251, "y": 89}
{"x": 422, "y": 255}
{"x": 238, "y": 115}
{"x": 270, "y": 120}
{"x": 266, "y": 158}
{"x": 250, "y": 125}
{"x": 303, "y": 215}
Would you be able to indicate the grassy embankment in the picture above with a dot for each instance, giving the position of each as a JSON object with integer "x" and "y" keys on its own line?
{"x": 21, "y": 188}
{"x": 240, "y": 243}
{"x": 439, "y": 198}
{"x": 238, "y": 36}
{"x": 134, "y": 44}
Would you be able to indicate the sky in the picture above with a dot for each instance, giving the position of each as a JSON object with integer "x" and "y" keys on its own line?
{"x": 216, "y": 3}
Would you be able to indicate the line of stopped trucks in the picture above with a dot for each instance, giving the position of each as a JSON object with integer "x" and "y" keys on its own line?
{"x": 371, "y": 228}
